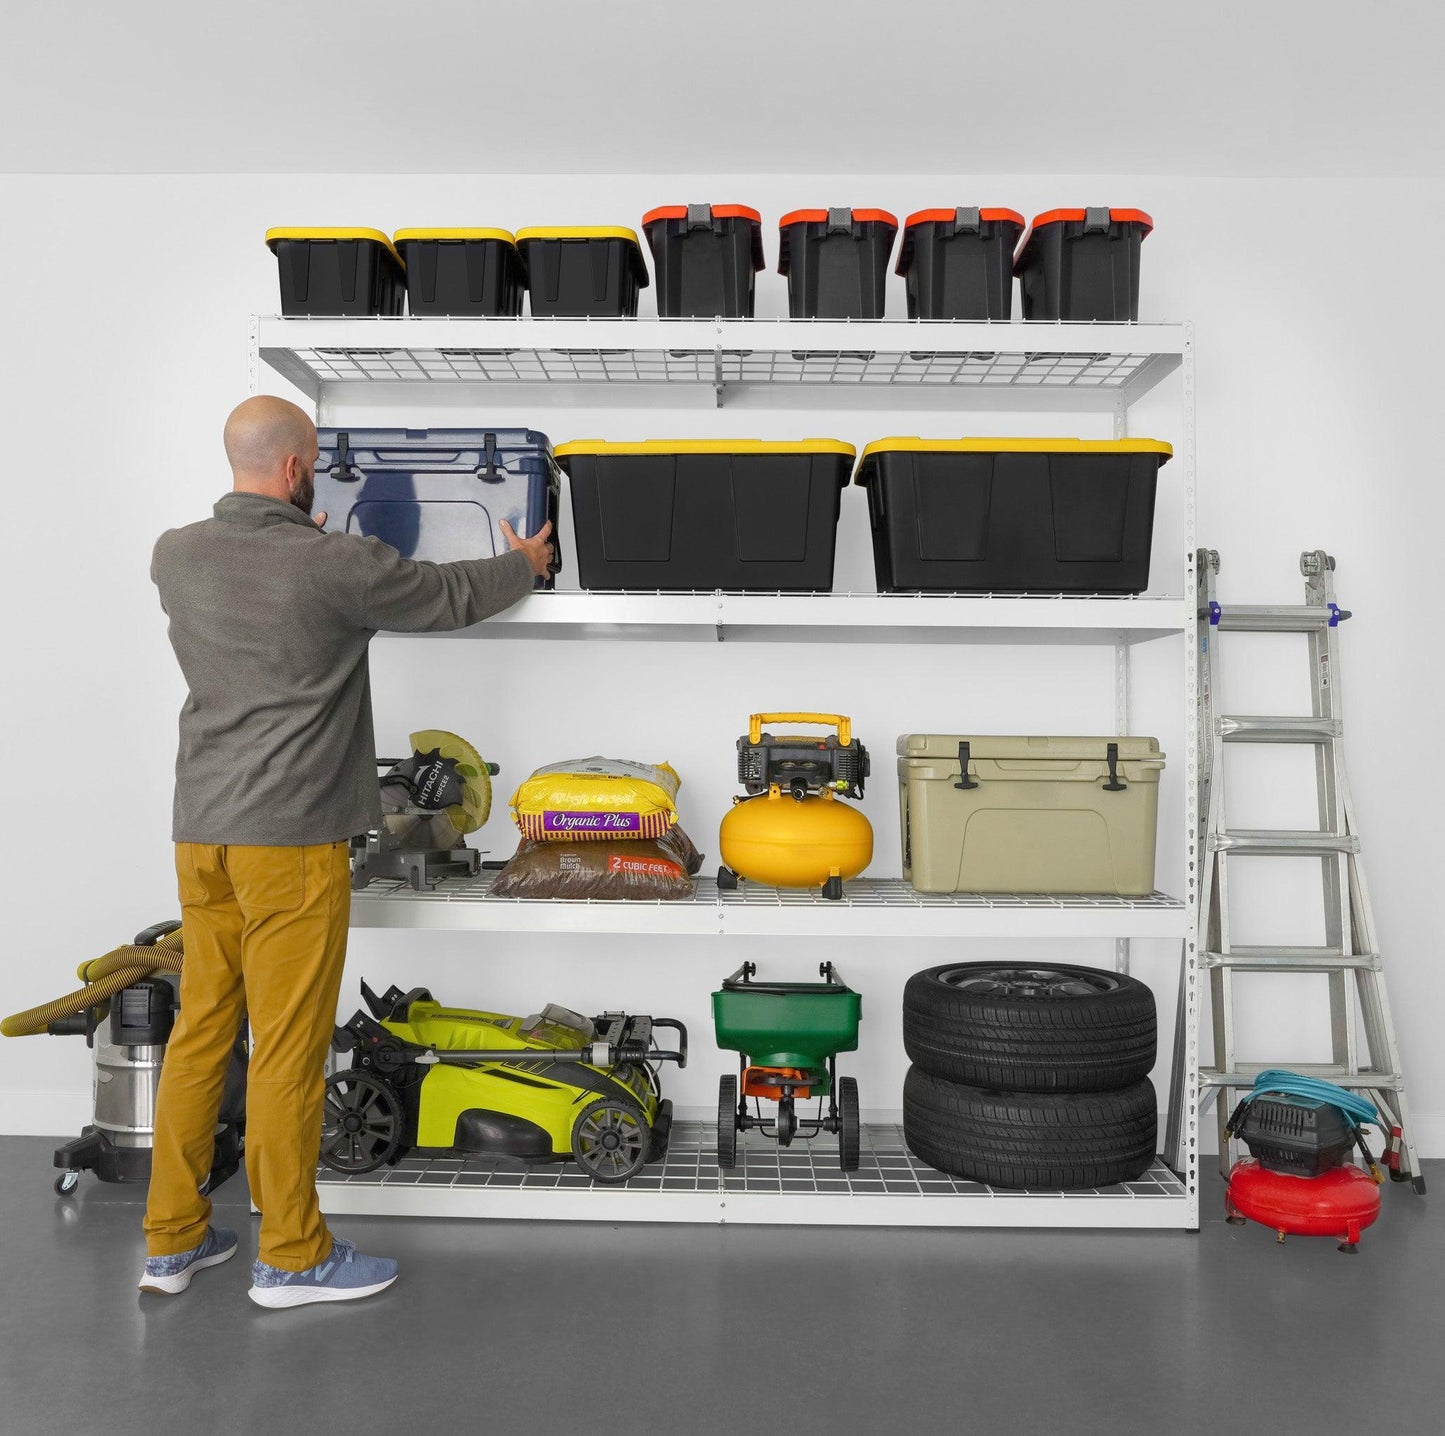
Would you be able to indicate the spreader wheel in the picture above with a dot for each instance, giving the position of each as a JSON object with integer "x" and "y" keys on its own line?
{"x": 849, "y": 1130}
{"x": 727, "y": 1121}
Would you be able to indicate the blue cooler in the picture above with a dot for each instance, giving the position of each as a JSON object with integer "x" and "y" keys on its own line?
{"x": 438, "y": 494}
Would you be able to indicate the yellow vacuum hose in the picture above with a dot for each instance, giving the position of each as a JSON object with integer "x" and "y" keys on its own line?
{"x": 103, "y": 978}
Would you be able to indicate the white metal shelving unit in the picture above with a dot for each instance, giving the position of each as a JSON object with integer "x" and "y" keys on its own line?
{"x": 346, "y": 366}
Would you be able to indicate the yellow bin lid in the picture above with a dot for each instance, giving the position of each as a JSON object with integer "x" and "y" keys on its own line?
{"x": 578, "y": 231}
{"x": 600, "y": 447}
{"x": 504, "y": 236}
{"x": 899, "y": 445}
{"x": 305, "y": 233}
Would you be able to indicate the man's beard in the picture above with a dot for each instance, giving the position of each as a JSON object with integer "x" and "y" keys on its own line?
{"x": 304, "y": 494}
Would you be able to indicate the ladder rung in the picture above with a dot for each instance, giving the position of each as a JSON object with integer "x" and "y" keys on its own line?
{"x": 1253, "y": 729}
{"x": 1262, "y": 842}
{"x": 1245, "y": 1072}
{"x": 1290, "y": 959}
{"x": 1283, "y": 618}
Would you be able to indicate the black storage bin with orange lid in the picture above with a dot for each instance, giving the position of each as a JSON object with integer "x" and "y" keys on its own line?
{"x": 705, "y": 257}
{"x": 958, "y": 263}
{"x": 1082, "y": 265}
{"x": 468, "y": 272}
{"x": 1012, "y": 515}
{"x": 583, "y": 271}
{"x": 337, "y": 272}
{"x": 836, "y": 261}
{"x": 706, "y": 514}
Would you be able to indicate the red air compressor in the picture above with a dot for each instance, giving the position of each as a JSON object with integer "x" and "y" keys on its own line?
{"x": 1299, "y": 1132}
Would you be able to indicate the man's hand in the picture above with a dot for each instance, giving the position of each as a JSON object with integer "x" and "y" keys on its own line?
{"x": 320, "y": 519}
{"x": 537, "y": 548}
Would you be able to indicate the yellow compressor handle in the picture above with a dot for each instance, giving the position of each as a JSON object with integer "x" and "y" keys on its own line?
{"x": 828, "y": 720}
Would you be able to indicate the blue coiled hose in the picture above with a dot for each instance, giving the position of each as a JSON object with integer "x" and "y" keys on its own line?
{"x": 1358, "y": 1110}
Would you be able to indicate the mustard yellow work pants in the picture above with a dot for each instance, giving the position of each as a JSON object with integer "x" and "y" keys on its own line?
{"x": 265, "y": 938}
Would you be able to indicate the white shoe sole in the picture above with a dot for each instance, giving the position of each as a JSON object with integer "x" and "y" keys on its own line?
{"x": 278, "y": 1298}
{"x": 175, "y": 1285}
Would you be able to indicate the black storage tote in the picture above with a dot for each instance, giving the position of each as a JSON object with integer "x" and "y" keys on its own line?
{"x": 337, "y": 272}
{"x": 706, "y": 514}
{"x": 470, "y": 272}
{"x": 583, "y": 271}
{"x": 1082, "y": 265}
{"x": 438, "y": 494}
{"x": 958, "y": 263}
{"x": 705, "y": 258}
{"x": 836, "y": 261}
{"x": 1012, "y": 515}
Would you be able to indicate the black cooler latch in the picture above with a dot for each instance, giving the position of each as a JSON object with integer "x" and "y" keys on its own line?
{"x": 1096, "y": 221}
{"x": 1114, "y": 785}
{"x": 489, "y": 469}
{"x": 342, "y": 469}
{"x": 967, "y": 220}
{"x": 964, "y": 781}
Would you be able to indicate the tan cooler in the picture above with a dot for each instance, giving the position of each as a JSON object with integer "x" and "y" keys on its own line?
{"x": 1038, "y": 815}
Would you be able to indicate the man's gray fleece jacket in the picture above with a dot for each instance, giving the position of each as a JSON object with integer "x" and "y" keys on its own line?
{"x": 270, "y": 619}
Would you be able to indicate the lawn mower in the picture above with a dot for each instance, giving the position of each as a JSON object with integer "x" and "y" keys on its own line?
{"x": 787, "y": 1036}
{"x": 447, "y": 1082}
{"x": 790, "y": 831}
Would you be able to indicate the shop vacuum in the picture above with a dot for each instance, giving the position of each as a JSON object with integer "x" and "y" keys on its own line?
{"x": 792, "y": 830}
{"x": 126, "y": 1012}
{"x": 1296, "y": 1179}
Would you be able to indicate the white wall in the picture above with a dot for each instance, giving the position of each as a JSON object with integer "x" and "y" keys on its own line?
{"x": 125, "y": 346}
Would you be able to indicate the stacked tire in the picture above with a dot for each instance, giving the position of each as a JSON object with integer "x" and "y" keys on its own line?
{"x": 1030, "y": 1076}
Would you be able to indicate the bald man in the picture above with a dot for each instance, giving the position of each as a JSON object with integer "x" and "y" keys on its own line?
{"x": 270, "y": 619}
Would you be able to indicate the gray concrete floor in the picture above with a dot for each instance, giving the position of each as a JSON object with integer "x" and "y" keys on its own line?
{"x": 537, "y": 1327}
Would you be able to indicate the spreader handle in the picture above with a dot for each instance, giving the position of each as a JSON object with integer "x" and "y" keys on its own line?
{"x": 828, "y": 720}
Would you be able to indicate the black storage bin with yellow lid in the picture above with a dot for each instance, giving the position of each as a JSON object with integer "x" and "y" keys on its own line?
{"x": 706, "y": 514}
{"x": 836, "y": 261}
{"x": 705, "y": 258}
{"x": 1012, "y": 515}
{"x": 583, "y": 271}
{"x": 467, "y": 272}
{"x": 1082, "y": 265}
{"x": 337, "y": 272}
{"x": 958, "y": 263}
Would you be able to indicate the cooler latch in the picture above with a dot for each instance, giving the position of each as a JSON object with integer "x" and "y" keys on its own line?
{"x": 699, "y": 216}
{"x": 489, "y": 469}
{"x": 1114, "y": 785}
{"x": 967, "y": 220}
{"x": 964, "y": 781}
{"x": 342, "y": 468}
{"x": 1096, "y": 221}
{"x": 840, "y": 221}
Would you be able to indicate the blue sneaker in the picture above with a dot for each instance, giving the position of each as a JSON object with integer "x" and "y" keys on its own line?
{"x": 171, "y": 1275}
{"x": 345, "y": 1275}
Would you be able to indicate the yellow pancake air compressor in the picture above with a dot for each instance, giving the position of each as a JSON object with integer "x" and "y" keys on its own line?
{"x": 791, "y": 830}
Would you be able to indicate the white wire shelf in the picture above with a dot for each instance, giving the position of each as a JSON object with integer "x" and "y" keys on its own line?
{"x": 870, "y": 907}
{"x": 837, "y": 617}
{"x": 795, "y": 1186}
{"x": 1005, "y": 365}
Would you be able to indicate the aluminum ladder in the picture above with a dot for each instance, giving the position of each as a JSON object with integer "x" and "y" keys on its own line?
{"x": 1350, "y": 956}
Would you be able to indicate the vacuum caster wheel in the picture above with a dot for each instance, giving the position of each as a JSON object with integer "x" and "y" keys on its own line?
{"x": 66, "y": 1183}
{"x": 727, "y": 880}
{"x": 833, "y": 888}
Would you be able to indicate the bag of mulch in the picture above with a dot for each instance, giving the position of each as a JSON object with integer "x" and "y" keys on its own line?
{"x": 597, "y": 800}
{"x": 636, "y": 869}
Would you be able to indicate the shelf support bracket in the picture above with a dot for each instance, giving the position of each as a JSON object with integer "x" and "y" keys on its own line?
{"x": 717, "y": 376}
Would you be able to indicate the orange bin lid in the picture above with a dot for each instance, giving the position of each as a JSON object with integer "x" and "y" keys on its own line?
{"x": 819, "y": 216}
{"x": 945, "y": 216}
{"x": 1119, "y": 216}
{"x": 718, "y": 211}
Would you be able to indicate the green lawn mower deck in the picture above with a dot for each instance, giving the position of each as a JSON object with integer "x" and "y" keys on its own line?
{"x": 445, "y": 1081}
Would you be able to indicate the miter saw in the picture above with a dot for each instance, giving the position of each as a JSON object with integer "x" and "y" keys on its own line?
{"x": 430, "y": 802}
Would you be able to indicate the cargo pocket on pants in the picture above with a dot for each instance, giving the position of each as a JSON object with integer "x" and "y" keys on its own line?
{"x": 267, "y": 880}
